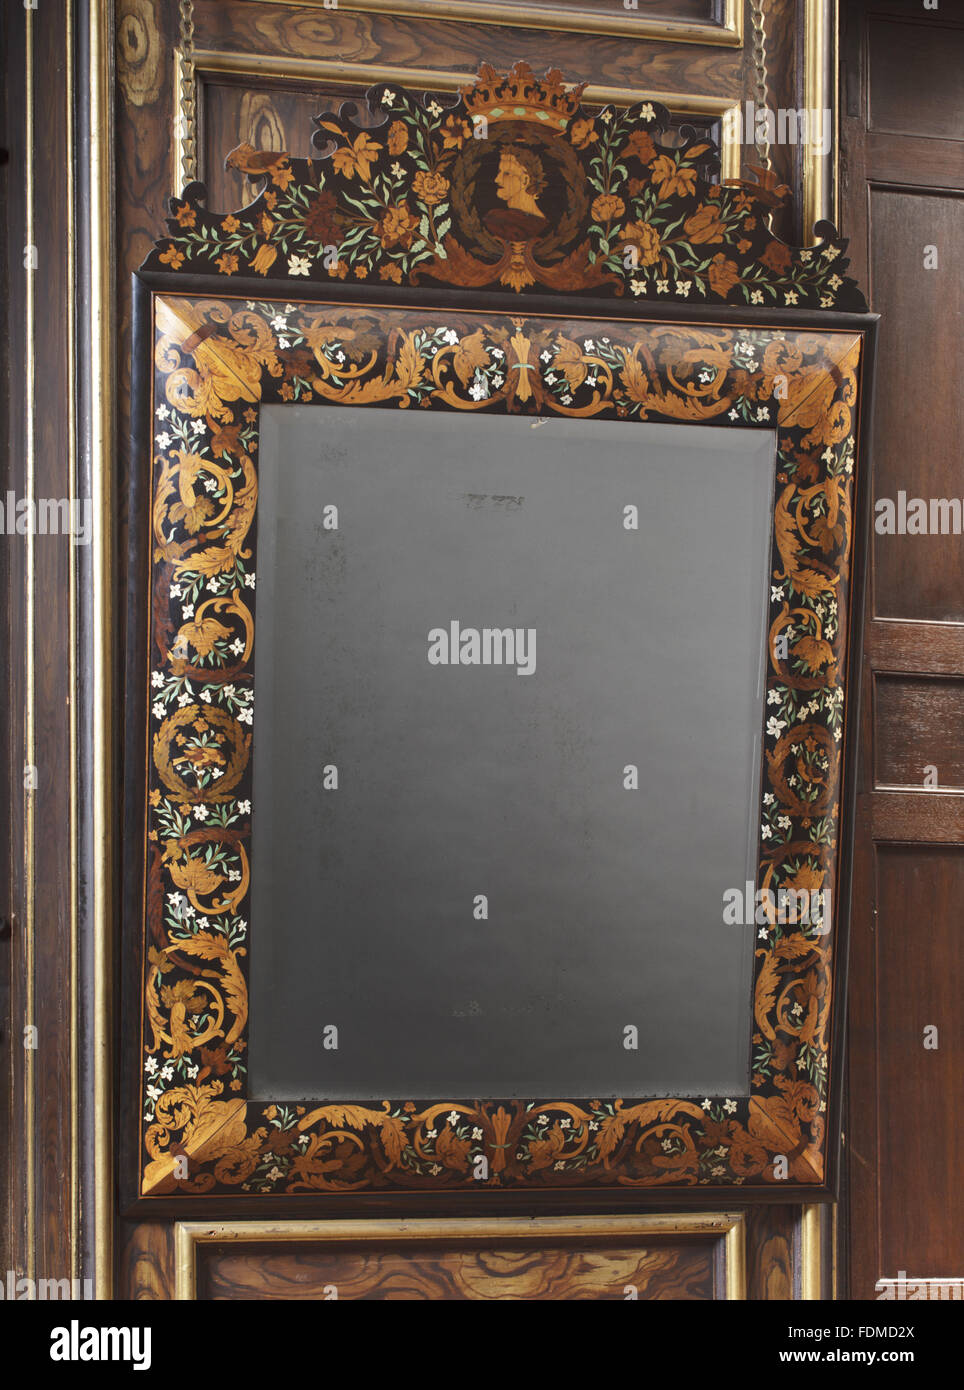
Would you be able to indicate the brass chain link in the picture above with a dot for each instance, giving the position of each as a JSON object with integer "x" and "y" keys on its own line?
{"x": 188, "y": 112}
{"x": 762, "y": 81}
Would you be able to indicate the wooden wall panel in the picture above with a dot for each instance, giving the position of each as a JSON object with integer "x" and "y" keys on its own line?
{"x": 925, "y": 59}
{"x": 902, "y": 168}
{"x": 352, "y": 36}
{"x": 918, "y": 577}
{"x": 771, "y": 1253}
{"x": 921, "y": 1149}
{"x": 38, "y": 461}
{"x": 147, "y": 1261}
{"x": 682, "y": 1270}
{"x": 919, "y": 732}
{"x": 700, "y": 10}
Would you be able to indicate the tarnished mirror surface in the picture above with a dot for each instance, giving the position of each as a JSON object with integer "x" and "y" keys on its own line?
{"x": 451, "y": 865}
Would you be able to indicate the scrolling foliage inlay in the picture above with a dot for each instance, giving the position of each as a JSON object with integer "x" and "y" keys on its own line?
{"x": 216, "y": 361}
{"x": 515, "y": 187}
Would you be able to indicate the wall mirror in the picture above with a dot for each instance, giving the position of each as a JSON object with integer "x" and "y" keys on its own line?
{"x": 498, "y": 521}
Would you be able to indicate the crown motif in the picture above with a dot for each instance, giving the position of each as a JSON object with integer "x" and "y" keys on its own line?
{"x": 520, "y": 95}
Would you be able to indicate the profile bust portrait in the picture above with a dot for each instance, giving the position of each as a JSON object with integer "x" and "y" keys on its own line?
{"x": 521, "y": 179}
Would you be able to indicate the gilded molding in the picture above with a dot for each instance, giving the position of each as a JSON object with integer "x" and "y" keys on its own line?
{"x": 556, "y": 18}
{"x": 819, "y": 68}
{"x": 190, "y": 1237}
{"x": 100, "y": 344}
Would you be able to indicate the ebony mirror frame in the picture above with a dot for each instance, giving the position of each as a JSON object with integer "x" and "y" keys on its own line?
{"x": 206, "y": 354}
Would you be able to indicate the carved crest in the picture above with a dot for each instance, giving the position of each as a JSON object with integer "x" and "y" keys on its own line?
{"x": 515, "y": 187}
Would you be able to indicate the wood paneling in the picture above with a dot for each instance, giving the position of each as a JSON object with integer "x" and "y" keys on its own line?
{"x": 352, "y": 36}
{"x": 700, "y": 10}
{"x": 770, "y": 1252}
{"x": 36, "y": 636}
{"x": 922, "y": 59}
{"x": 147, "y": 1261}
{"x": 572, "y": 1270}
{"x": 934, "y": 165}
{"x": 916, "y": 647}
{"x": 919, "y": 969}
{"x": 901, "y": 192}
{"x": 919, "y": 735}
{"x": 918, "y": 576}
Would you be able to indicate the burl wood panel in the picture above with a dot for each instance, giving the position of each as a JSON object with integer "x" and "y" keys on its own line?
{"x": 273, "y": 115}
{"x": 269, "y": 116}
{"x": 919, "y": 731}
{"x": 919, "y": 984}
{"x": 144, "y": 172}
{"x": 146, "y": 1261}
{"x": 770, "y": 1252}
{"x": 701, "y": 10}
{"x": 919, "y": 417}
{"x": 456, "y": 1272}
{"x": 245, "y": 26}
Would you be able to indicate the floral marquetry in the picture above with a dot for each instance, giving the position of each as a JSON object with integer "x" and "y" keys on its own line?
{"x": 216, "y": 361}
{"x": 516, "y": 188}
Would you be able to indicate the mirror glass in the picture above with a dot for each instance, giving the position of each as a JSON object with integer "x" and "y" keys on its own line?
{"x": 506, "y": 754}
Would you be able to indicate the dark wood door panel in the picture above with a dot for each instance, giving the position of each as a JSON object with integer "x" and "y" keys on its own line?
{"x": 902, "y": 176}
{"x": 920, "y": 407}
{"x": 921, "y": 818}
{"x": 920, "y": 924}
{"x": 935, "y": 648}
{"x": 912, "y": 162}
{"x": 905, "y": 1149}
{"x": 919, "y": 732}
{"x": 916, "y": 71}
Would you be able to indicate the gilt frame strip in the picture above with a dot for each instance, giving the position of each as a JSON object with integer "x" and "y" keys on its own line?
{"x": 190, "y": 1237}
{"x": 556, "y": 18}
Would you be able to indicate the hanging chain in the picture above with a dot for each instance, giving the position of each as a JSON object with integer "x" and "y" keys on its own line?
{"x": 188, "y": 112}
{"x": 762, "y": 93}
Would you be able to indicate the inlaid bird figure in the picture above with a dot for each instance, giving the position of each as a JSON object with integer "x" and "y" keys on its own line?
{"x": 256, "y": 163}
